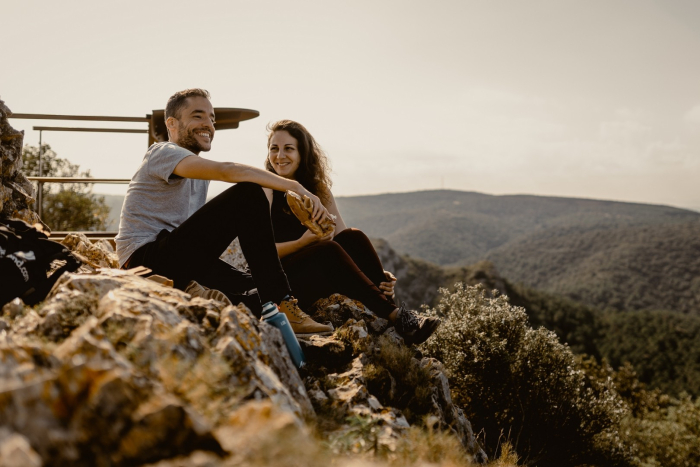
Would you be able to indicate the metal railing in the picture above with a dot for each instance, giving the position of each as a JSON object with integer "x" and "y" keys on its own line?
{"x": 95, "y": 235}
{"x": 40, "y": 180}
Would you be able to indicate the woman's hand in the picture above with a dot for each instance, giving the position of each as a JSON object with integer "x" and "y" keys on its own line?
{"x": 388, "y": 287}
{"x": 309, "y": 238}
{"x": 320, "y": 212}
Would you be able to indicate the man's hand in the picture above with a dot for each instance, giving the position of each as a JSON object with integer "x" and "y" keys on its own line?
{"x": 388, "y": 287}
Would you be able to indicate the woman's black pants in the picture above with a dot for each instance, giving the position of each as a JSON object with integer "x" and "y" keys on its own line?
{"x": 347, "y": 265}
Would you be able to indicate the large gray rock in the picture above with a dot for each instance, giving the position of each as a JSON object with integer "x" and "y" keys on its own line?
{"x": 447, "y": 416}
{"x": 16, "y": 192}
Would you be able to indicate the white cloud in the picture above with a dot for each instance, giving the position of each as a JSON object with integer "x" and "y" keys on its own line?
{"x": 693, "y": 115}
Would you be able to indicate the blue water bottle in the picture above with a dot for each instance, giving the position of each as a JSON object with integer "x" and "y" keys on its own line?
{"x": 280, "y": 321}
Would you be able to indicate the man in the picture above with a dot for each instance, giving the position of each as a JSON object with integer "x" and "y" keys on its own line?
{"x": 166, "y": 226}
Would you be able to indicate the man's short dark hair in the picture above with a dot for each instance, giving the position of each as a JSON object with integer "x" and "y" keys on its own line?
{"x": 177, "y": 100}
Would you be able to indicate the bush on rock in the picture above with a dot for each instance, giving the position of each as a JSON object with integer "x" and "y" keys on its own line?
{"x": 523, "y": 385}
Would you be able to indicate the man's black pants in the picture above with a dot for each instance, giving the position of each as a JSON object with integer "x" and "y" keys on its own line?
{"x": 192, "y": 250}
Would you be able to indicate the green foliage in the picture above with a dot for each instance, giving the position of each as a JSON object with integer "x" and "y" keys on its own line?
{"x": 360, "y": 436}
{"x": 66, "y": 206}
{"x": 523, "y": 383}
{"x": 661, "y": 430}
{"x": 397, "y": 379}
{"x": 669, "y": 435}
{"x": 577, "y": 325}
{"x": 663, "y": 347}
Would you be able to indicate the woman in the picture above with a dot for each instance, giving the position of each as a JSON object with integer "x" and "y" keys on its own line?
{"x": 342, "y": 262}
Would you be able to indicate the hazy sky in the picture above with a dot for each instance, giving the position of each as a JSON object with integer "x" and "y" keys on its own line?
{"x": 595, "y": 99}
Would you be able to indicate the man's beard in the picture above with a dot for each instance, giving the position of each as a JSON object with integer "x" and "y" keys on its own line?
{"x": 189, "y": 141}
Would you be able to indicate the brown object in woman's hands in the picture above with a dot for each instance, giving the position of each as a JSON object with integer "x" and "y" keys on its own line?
{"x": 304, "y": 209}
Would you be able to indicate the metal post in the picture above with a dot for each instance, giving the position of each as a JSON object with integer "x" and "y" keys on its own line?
{"x": 40, "y": 185}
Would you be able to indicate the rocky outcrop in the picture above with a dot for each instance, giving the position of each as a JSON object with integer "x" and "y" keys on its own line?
{"x": 16, "y": 192}
{"x": 116, "y": 369}
{"x": 94, "y": 255}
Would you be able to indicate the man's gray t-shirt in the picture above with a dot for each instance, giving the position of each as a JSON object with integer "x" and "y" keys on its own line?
{"x": 157, "y": 199}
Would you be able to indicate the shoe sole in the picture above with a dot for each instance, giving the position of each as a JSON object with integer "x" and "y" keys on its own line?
{"x": 309, "y": 334}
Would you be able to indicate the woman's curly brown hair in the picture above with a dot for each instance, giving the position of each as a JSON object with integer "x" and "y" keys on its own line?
{"x": 314, "y": 169}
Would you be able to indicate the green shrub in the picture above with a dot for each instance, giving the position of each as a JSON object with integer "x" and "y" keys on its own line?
{"x": 662, "y": 430}
{"x": 523, "y": 384}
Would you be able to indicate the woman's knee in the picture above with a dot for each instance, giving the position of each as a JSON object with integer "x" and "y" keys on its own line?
{"x": 321, "y": 260}
{"x": 328, "y": 249}
{"x": 352, "y": 235}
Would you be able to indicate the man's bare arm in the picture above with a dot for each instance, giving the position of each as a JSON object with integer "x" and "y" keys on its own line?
{"x": 205, "y": 169}
{"x": 231, "y": 172}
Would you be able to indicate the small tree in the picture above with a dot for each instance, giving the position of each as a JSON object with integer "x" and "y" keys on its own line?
{"x": 66, "y": 206}
{"x": 521, "y": 383}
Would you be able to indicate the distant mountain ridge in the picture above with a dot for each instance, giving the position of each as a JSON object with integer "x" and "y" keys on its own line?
{"x": 457, "y": 227}
{"x": 603, "y": 253}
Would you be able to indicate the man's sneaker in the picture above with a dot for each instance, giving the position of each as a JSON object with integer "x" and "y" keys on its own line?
{"x": 197, "y": 290}
{"x": 413, "y": 328}
{"x": 302, "y": 324}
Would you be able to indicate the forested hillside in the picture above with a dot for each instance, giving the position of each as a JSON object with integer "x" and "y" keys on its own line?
{"x": 662, "y": 346}
{"x": 604, "y": 253}
{"x": 652, "y": 267}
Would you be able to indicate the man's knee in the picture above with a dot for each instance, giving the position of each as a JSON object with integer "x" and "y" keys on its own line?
{"x": 248, "y": 187}
{"x": 248, "y": 191}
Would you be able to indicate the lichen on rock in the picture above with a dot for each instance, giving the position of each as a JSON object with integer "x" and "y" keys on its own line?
{"x": 94, "y": 255}
{"x": 115, "y": 369}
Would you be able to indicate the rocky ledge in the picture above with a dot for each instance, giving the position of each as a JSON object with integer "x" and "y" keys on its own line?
{"x": 116, "y": 369}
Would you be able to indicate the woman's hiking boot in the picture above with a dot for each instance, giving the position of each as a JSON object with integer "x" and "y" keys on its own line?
{"x": 414, "y": 329}
{"x": 302, "y": 324}
{"x": 197, "y": 290}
